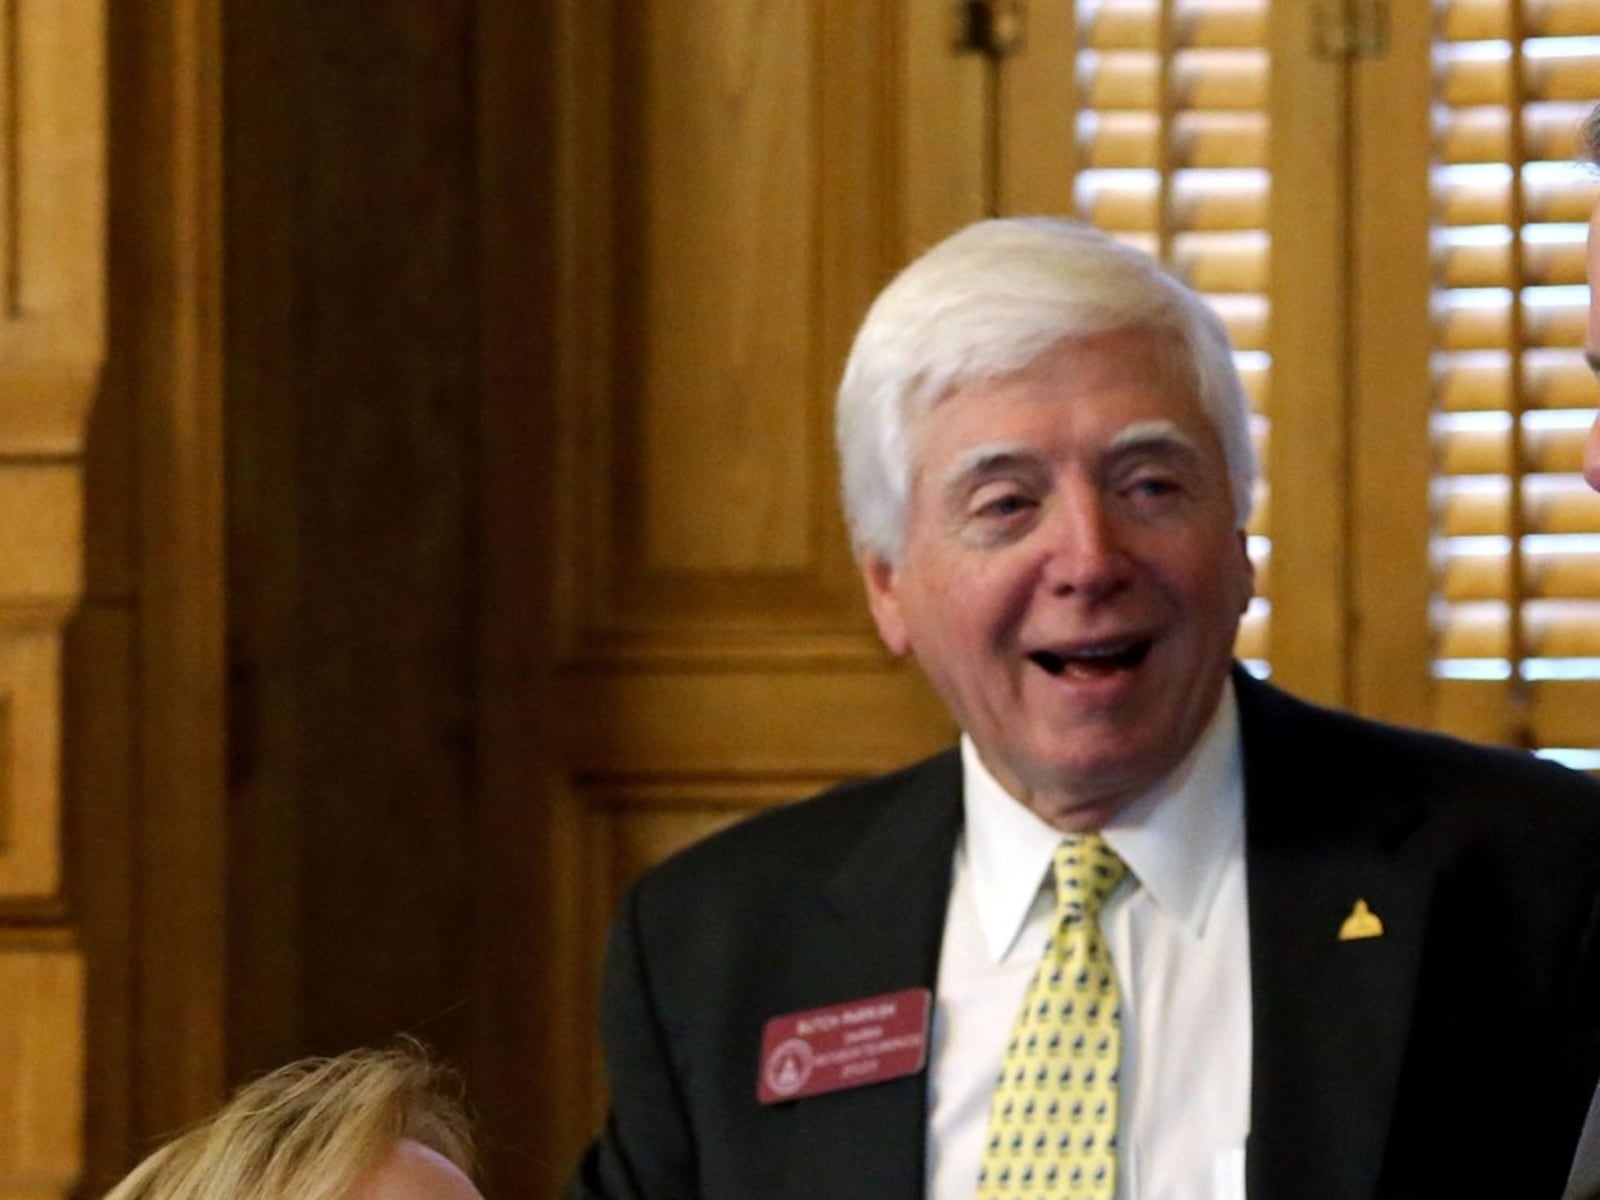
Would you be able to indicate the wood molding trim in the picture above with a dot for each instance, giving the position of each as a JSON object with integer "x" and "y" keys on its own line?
{"x": 145, "y": 673}
{"x": 174, "y": 364}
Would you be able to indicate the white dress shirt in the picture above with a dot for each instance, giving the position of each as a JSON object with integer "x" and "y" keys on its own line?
{"x": 1178, "y": 929}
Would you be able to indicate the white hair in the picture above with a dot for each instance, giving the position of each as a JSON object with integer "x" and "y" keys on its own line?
{"x": 984, "y": 304}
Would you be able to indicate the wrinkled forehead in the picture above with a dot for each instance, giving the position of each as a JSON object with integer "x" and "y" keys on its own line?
{"x": 1167, "y": 349}
{"x": 988, "y": 368}
{"x": 1128, "y": 362}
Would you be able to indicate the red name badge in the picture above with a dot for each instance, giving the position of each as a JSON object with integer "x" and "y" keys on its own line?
{"x": 844, "y": 1045}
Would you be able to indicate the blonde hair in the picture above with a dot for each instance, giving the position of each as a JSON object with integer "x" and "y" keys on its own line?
{"x": 309, "y": 1130}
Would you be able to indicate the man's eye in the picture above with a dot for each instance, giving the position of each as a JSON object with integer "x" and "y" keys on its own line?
{"x": 1000, "y": 507}
{"x": 1154, "y": 487}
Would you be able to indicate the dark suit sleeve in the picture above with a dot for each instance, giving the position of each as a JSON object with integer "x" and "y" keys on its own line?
{"x": 1574, "y": 971}
{"x": 1584, "y": 1180}
{"x": 646, "y": 1151}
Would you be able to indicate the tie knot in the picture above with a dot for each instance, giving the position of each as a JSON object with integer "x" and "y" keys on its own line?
{"x": 1086, "y": 872}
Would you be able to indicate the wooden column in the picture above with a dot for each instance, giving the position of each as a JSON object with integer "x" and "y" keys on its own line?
{"x": 143, "y": 676}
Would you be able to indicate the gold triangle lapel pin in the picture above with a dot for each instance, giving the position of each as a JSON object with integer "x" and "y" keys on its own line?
{"x": 1361, "y": 923}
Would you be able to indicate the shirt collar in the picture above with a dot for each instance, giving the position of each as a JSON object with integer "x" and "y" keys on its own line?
{"x": 1176, "y": 838}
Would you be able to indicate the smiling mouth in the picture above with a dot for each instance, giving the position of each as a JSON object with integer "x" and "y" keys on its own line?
{"x": 1096, "y": 662}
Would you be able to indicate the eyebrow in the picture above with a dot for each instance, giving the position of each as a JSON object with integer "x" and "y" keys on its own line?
{"x": 979, "y": 462}
{"x": 1153, "y": 435}
{"x": 1592, "y": 357}
{"x": 975, "y": 460}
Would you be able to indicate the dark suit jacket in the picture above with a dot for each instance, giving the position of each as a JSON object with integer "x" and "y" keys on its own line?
{"x": 1453, "y": 1056}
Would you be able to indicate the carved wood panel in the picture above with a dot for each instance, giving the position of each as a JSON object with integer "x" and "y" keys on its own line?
{"x": 41, "y": 1066}
{"x": 41, "y": 514}
{"x": 716, "y": 276}
{"x": 731, "y": 172}
{"x": 52, "y": 296}
{"x": 30, "y": 755}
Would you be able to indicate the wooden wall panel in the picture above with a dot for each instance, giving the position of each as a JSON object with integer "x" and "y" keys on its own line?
{"x": 351, "y": 427}
{"x": 826, "y": 719}
{"x": 41, "y": 557}
{"x": 709, "y": 282}
{"x": 30, "y": 758}
{"x": 720, "y": 216}
{"x": 728, "y": 201}
{"x": 52, "y": 349}
{"x": 945, "y": 138}
{"x": 52, "y": 114}
{"x": 41, "y": 573}
{"x": 41, "y": 1067}
{"x": 1036, "y": 116}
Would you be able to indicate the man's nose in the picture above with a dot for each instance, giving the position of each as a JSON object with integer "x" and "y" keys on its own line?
{"x": 1084, "y": 546}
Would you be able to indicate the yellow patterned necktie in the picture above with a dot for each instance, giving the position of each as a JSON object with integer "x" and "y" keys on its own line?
{"x": 1053, "y": 1124}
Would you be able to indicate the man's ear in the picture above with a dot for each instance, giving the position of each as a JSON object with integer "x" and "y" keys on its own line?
{"x": 883, "y": 598}
{"x": 1247, "y": 570}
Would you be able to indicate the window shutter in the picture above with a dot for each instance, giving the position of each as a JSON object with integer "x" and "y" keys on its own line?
{"x": 1172, "y": 133}
{"x": 1516, "y": 546}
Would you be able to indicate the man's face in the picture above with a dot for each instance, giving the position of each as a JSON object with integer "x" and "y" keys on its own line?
{"x": 1591, "y": 452}
{"x": 1071, "y": 581}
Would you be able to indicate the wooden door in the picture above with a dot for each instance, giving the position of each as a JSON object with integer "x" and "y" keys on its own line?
{"x": 729, "y": 213}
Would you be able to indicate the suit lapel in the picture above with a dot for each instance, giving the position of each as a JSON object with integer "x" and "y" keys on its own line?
{"x": 1330, "y": 1018}
{"x": 1330, "y": 1013}
{"x": 887, "y": 902}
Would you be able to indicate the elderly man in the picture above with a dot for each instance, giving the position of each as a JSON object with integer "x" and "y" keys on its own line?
{"x": 1154, "y": 930}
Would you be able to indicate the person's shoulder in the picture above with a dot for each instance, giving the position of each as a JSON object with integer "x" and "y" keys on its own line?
{"x": 1340, "y": 751}
{"x": 811, "y": 834}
